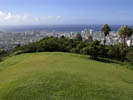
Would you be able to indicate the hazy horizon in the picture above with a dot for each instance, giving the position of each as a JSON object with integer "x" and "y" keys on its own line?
{"x": 57, "y": 28}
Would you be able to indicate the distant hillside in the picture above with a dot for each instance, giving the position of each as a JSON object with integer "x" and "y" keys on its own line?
{"x": 63, "y": 76}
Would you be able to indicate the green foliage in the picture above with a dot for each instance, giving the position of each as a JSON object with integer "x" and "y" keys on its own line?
{"x": 116, "y": 52}
{"x": 130, "y": 57}
{"x": 125, "y": 32}
{"x": 78, "y": 37}
{"x": 47, "y": 44}
{"x": 2, "y": 55}
{"x": 106, "y": 29}
{"x": 80, "y": 46}
{"x": 52, "y": 44}
{"x": 90, "y": 39}
{"x": 94, "y": 48}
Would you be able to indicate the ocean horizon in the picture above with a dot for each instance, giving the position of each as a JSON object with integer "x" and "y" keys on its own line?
{"x": 56, "y": 28}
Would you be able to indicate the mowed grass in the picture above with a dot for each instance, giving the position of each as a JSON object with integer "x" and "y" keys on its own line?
{"x": 63, "y": 76}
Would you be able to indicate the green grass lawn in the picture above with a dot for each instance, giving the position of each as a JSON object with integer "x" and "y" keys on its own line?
{"x": 63, "y": 76}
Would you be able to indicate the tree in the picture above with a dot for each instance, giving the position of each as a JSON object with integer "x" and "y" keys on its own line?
{"x": 106, "y": 30}
{"x": 90, "y": 38}
{"x": 92, "y": 50}
{"x": 78, "y": 37}
{"x": 130, "y": 57}
{"x": 125, "y": 32}
{"x": 116, "y": 52}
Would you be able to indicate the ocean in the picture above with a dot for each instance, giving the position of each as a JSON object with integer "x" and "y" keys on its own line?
{"x": 57, "y": 28}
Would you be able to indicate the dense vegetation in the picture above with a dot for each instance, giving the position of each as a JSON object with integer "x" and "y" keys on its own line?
{"x": 95, "y": 49}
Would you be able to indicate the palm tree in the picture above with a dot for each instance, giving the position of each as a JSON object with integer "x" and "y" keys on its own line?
{"x": 106, "y": 30}
{"x": 125, "y": 32}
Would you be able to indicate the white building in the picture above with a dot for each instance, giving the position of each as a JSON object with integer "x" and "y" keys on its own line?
{"x": 91, "y": 31}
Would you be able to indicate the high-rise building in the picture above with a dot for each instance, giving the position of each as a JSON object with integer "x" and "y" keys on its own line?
{"x": 91, "y": 31}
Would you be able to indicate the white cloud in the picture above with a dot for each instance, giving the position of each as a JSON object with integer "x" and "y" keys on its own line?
{"x": 12, "y": 19}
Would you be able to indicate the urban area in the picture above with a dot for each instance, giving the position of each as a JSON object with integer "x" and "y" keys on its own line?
{"x": 9, "y": 40}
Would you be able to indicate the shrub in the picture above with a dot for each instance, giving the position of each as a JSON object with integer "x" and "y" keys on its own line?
{"x": 78, "y": 36}
{"x": 130, "y": 57}
{"x": 94, "y": 48}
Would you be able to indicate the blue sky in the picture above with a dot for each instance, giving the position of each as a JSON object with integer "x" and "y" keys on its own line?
{"x": 66, "y": 12}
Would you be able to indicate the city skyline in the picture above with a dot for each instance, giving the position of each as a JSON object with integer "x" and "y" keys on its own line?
{"x": 43, "y": 12}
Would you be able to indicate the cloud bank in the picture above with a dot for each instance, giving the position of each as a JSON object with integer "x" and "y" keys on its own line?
{"x": 12, "y": 19}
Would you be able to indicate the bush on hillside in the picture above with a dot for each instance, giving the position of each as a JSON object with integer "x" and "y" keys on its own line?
{"x": 130, "y": 57}
{"x": 95, "y": 49}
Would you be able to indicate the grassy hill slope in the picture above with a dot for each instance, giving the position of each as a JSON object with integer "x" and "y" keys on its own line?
{"x": 63, "y": 76}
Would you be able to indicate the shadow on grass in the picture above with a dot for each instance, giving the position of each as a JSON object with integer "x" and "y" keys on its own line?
{"x": 104, "y": 60}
